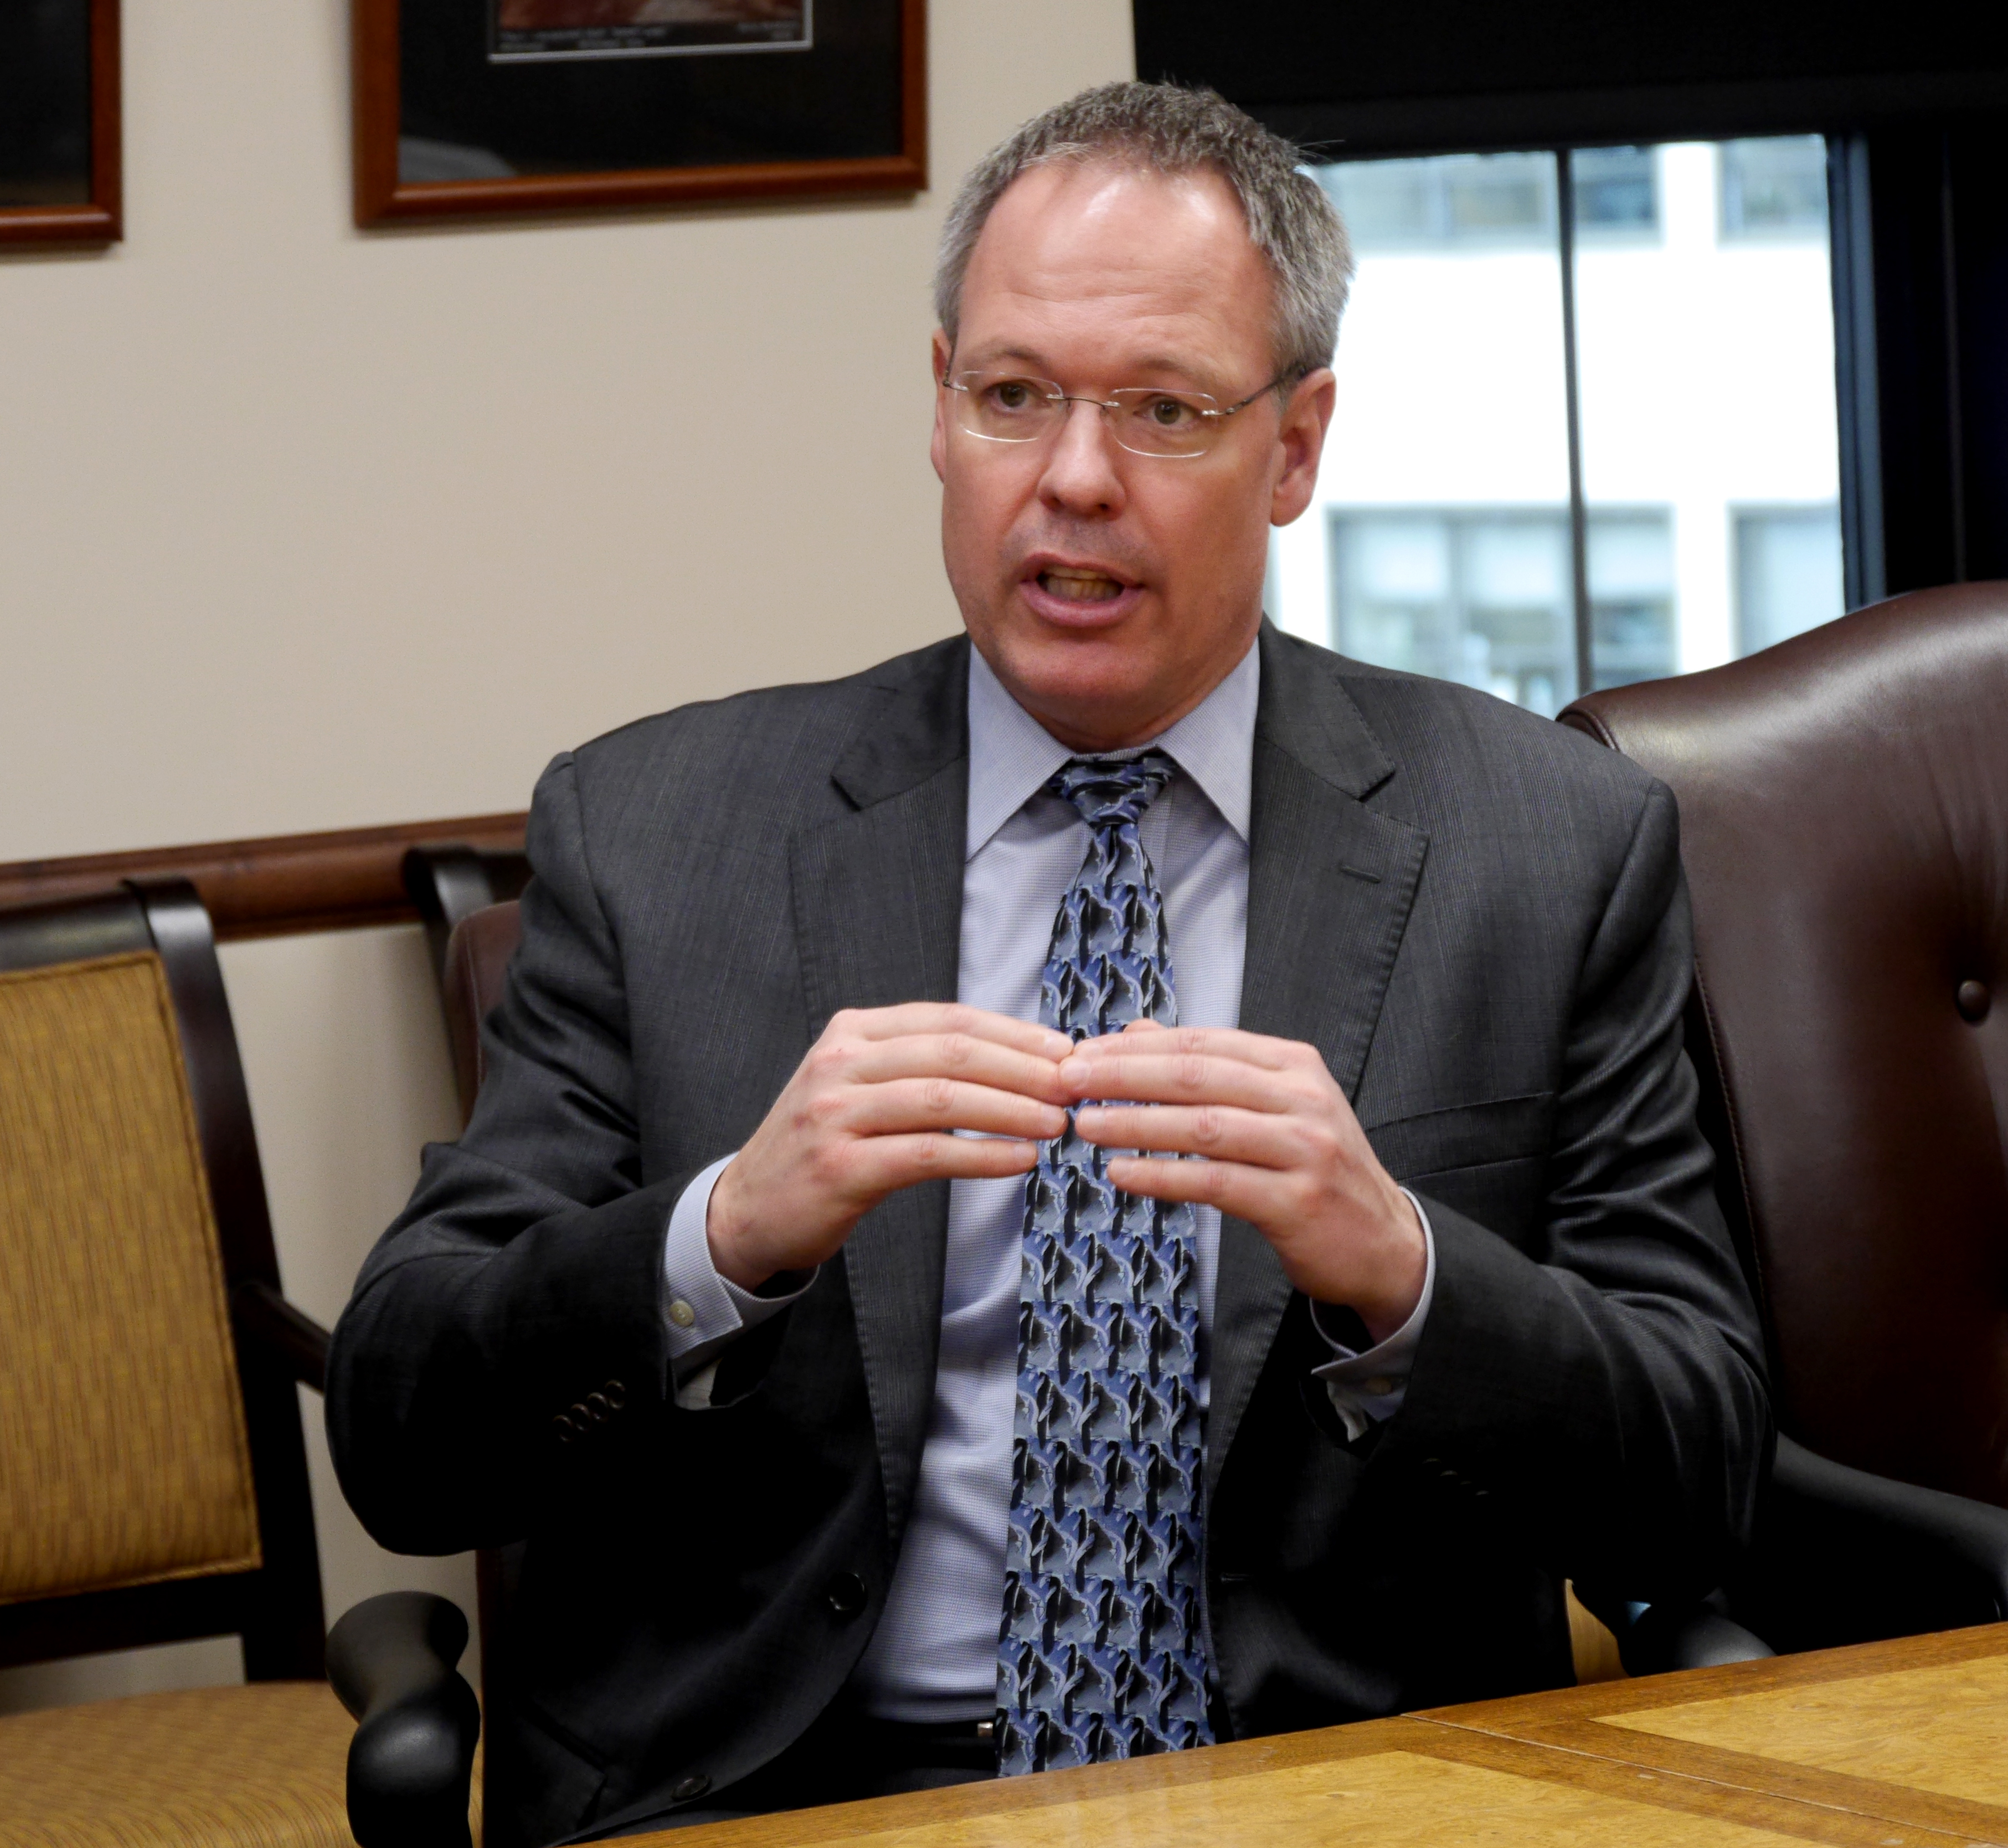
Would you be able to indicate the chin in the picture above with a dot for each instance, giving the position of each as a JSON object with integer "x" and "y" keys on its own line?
{"x": 1085, "y": 684}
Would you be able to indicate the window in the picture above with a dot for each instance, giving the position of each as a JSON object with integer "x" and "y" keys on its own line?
{"x": 1706, "y": 471}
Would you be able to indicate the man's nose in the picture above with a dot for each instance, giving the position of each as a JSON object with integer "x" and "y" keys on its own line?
{"x": 1081, "y": 474}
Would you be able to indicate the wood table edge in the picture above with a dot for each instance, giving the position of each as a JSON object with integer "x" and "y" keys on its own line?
{"x": 1412, "y": 1735}
{"x": 1597, "y": 1700}
{"x": 1902, "y": 1805}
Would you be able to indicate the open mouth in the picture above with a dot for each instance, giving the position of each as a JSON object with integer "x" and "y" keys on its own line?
{"x": 1072, "y": 585}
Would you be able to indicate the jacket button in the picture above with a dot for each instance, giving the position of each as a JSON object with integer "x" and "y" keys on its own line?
{"x": 846, "y": 1595}
{"x": 687, "y": 1787}
{"x": 1974, "y": 1000}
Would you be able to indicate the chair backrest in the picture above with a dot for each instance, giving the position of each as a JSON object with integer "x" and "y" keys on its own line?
{"x": 1843, "y": 802}
{"x": 450, "y": 880}
{"x": 476, "y": 964}
{"x": 152, "y": 1478}
{"x": 477, "y": 959}
{"x": 450, "y": 884}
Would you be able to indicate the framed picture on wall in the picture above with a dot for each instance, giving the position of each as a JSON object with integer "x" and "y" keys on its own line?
{"x": 59, "y": 177}
{"x": 482, "y": 106}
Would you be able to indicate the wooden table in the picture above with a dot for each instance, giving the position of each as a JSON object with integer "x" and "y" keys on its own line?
{"x": 1892, "y": 1745}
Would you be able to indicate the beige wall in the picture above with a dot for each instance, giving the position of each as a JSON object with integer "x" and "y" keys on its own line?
{"x": 304, "y": 529}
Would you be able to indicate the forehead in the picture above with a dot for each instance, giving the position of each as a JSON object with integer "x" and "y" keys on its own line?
{"x": 1088, "y": 266}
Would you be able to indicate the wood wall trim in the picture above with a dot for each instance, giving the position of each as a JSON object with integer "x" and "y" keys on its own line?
{"x": 278, "y": 886}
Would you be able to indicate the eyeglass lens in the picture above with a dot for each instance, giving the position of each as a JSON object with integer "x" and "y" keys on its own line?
{"x": 1146, "y": 420}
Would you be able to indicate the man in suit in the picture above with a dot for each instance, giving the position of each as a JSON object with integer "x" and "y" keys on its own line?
{"x": 855, "y": 1414}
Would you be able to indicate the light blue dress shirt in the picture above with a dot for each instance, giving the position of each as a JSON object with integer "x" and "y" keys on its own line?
{"x": 934, "y": 1655}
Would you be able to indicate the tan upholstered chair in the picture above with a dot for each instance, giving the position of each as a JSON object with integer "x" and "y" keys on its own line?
{"x": 153, "y": 1482}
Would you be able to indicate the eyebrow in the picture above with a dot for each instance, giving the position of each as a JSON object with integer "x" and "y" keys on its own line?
{"x": 1154, "y": 363}
{"x": 1024, "y": 355}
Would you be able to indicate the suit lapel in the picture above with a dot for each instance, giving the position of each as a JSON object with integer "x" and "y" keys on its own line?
{"x": 878, "y": 900}
{"x": 1331, "y": 882}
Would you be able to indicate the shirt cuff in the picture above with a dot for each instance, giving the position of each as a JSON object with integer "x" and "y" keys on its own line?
{"x": 1367, "y": 1389}
{"x": 702, "y": 1312}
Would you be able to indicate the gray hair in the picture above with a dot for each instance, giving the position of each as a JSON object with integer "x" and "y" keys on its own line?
{"x": 1166, "y": 128}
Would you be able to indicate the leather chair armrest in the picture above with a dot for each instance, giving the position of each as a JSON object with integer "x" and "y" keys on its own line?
{"x": 392, "y": 1661}
{"x": 1844, "y": 1557}
{"x": 290, "y": 1336}
{"x": 1665, "y": 1637}
{"x": 1656, "y": 1639}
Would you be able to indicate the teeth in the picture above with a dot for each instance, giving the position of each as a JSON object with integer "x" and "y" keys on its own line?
{"x": 1081, "y": 587}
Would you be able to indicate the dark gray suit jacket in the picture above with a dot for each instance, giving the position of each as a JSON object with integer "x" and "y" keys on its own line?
{"x": 1477, "y": 917}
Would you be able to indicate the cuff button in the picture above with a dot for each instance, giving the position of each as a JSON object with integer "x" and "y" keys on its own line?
{"x": 615, "y": 1393}
{"x": 563, "y": 1429}
{"x": 681, "y": 1314}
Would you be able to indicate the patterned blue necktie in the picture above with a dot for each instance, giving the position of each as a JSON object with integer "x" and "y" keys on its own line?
{"x": 1100, "y": 1655}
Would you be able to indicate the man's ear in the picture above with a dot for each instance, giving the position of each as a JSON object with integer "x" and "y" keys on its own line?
{"x": 1300, "y": 444}
{"x": 938, "y": 445}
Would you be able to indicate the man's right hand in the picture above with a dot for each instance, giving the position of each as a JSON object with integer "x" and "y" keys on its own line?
{"x": 872, "y": 1108}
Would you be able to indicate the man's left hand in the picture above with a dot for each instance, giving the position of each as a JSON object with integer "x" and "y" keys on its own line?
{"x": 1284, "y": 1152}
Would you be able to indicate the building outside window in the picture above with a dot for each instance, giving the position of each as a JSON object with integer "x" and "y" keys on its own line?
{"x": 1774, "y": 187}
{"x": 1440, "y": 540}
{"x": 1787, "y": 572}
{"x": 1483, "y": 596}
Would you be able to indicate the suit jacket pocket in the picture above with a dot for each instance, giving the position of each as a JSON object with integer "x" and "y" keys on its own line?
{"x": 1437, "y": 1142}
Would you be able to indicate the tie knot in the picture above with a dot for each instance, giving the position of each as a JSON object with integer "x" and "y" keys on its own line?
{"x": 1109, "y": 791}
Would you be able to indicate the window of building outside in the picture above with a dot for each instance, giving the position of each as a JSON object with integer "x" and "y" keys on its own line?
{"x": 1440, "y": 540}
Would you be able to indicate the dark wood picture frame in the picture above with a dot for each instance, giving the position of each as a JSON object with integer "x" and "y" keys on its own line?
{"x": 99, "y": 219}
{"x": 381, "y": 196}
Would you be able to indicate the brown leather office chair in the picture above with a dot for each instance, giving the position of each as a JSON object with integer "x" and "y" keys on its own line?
{"x": 1843, "y": 801}
{"x": 472, "y": 965}
{"x": 477, "y": 959}
{"x": 152, "y": 1477}
{"x": 450, "y": 884}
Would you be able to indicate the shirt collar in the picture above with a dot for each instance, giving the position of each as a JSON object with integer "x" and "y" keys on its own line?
{"x": 1012, "y": 756}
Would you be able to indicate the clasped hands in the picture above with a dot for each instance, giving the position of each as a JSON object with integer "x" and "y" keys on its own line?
{"x": 874, "y": 1105}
